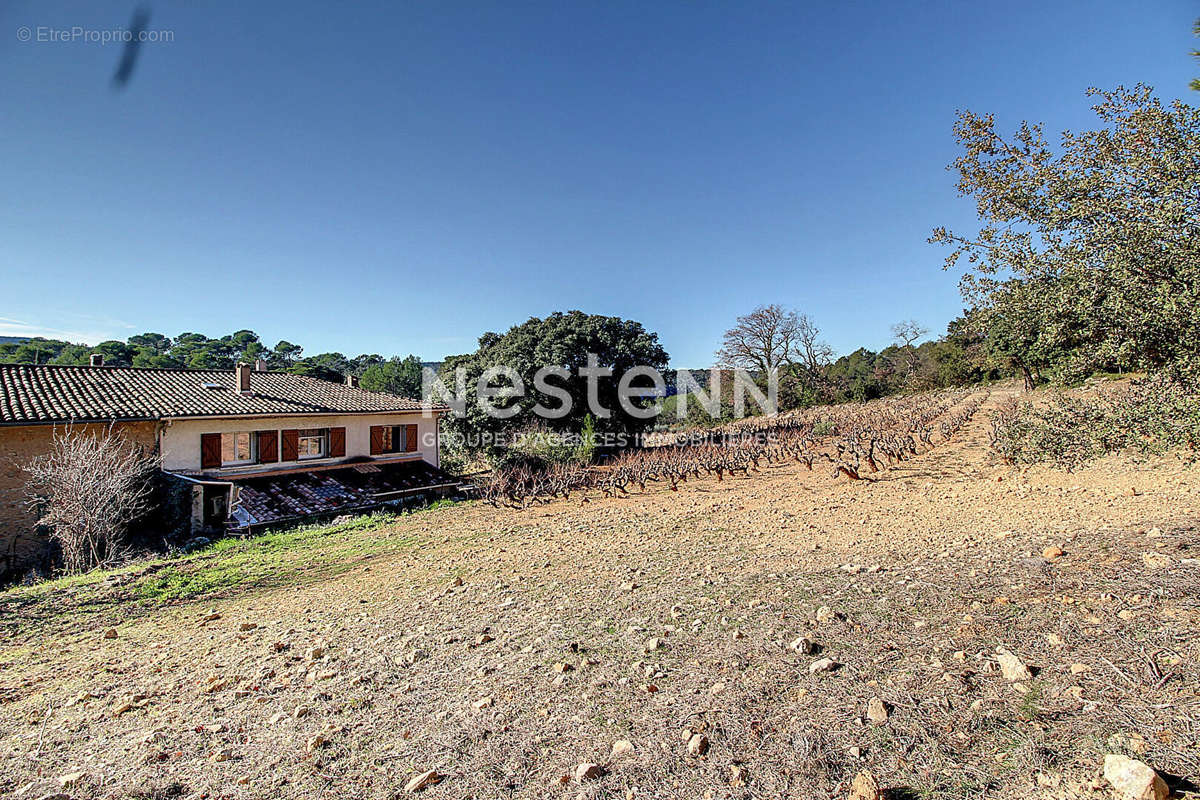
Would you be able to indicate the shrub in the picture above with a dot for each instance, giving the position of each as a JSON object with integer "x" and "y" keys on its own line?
{"x": 1164, "y": 414}
{"x": 88, "y": 489}
{"x": 1151, "y": 416}
{"x": 537, "y": 447}
{"x": 585, "y": 451}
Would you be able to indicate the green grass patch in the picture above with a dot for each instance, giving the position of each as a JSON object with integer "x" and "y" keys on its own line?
{"x": 294, "y": 555}
{"x": 1030, "y": 707}
{"x": 273, "y": 559}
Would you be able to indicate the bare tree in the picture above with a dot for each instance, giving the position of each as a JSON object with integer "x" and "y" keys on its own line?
{"x": 812, "y": 352}
{"x": 907, "y": 333}
{"x": 770, "y": 338}
{"x": 87, "y": 490}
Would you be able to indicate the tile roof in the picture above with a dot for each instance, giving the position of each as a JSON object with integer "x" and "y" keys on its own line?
{"x": 33, "y": 394}
{"x": 283, "y": 497}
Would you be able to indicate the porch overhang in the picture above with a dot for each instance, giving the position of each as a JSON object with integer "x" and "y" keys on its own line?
{"x": 272, "y": 498}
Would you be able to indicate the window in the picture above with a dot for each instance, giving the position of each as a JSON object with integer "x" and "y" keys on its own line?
{"x": 312, "y": 443}
{"x": 238, "y": 448}
{"x": 395, "y": 439}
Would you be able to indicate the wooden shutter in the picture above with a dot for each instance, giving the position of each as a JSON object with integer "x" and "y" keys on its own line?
{"x": 289, "y": 442}
{"x": 210, "y": 450}
{"x": 337, "y": 442}
{"x": 410, "y": 438}
{"x": 268, "y": 447}
{"x": 376, "y": 440}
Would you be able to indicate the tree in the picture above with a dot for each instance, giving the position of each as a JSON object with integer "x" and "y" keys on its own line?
{"x": 116, "y": 354}
{"x": 37, "y": 350}
{"x": 1196, "y": 55}
{"x": 87, "y": 490}
{"x": 152, "y": 350}
{"x": 1094, "y": 244}
{"x": 563, "y": 340}
{"x": 286, "y": 353}
{"x": 147, "y": 358}
{"x": 1025, "y": 328}
{"x": 71, "y": 355}
{"x": 197, "y": 351}
{"x": 326, "y": 366}
{"x": 156, "y": 343}
{"x": 399, "y": 376}
{"x": 853, "y": 377}
{"x": 772, "y": 337}
{"x": 360, "y": 363}
{"x": 246, "y": 347}
{"x": 907, "y": 333}
{"x": 813, "y": 353}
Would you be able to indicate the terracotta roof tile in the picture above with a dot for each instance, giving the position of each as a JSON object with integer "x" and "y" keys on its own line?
{"x": 275, "y": 498}
{"x": 30, "y": 394}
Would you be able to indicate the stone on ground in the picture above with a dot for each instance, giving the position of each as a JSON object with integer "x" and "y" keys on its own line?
{"x": 877, "y": 711}
{"x": 419, "y": 782}
{"x": 865, "y": 787}
{"x": 804, "y": 646}
{"x": 621, "y": 748}
{"x": 1133, "y": 779}
{"x": 588, "y": 771}
{"x": 1011, "y": 667}
{"x": 823, "y": 665}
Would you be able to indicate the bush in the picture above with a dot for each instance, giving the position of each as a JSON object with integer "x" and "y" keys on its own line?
{"x": 1151, "y": 416}
{"x": 89, "y": 488}
{"x": 1164, "y": 414}
{"x": 452, "y": 459}
{"x": 538, "y": 447}
{"x": 585, "y": 451}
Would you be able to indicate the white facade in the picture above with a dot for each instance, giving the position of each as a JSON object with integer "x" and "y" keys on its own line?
{"x": 179, "y": 440}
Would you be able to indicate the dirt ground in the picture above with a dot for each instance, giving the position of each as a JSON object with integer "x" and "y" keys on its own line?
{"x": 503, "y": 648}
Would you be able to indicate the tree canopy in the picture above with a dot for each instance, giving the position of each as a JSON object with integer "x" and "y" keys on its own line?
{"x": 563, "y": 340}
{"x": 396, "y": 375}
{"x": 196, "y": 351}
{"x": 1088, "y": 255}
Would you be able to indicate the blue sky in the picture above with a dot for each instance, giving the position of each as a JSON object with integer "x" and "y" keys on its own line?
{"x": 399, "y": 177}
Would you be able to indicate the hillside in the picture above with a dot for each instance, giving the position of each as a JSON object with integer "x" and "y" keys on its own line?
{"x": 673, "y": 639}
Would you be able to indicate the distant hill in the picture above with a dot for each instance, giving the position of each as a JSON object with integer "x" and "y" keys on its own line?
{"x": 12, "y": 339}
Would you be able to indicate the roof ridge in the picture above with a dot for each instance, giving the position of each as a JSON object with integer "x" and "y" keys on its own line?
{"x": 32, "y": 393}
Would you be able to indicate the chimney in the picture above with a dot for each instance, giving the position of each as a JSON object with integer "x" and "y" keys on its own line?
{"x": 243, "y": 378}
{"x": 97, "y": 360}
{"x": 260, "y": 365}
{"x": 352, "y": 380}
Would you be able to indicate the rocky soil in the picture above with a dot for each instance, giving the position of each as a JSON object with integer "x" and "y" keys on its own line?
{"x": 952, "y": 628}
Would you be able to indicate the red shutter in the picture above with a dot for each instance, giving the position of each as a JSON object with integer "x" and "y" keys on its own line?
{"x": 337, "y": 442}
{"x": 210, "y": 450}
{"x": 376, "y": 440}
{"x": 289, "y": 442}
{"x": 268, "y": 447}
{"x": 410, "y": 438}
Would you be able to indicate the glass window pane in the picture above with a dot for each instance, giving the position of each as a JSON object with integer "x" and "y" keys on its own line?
{"x": 236, "y": 447}
{"x": 311, "y": 442}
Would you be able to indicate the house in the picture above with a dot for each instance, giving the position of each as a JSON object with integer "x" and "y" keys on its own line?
{"x": 247, "y": 447}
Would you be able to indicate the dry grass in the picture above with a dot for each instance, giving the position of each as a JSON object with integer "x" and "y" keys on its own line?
{"x": 726, "y": 574}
